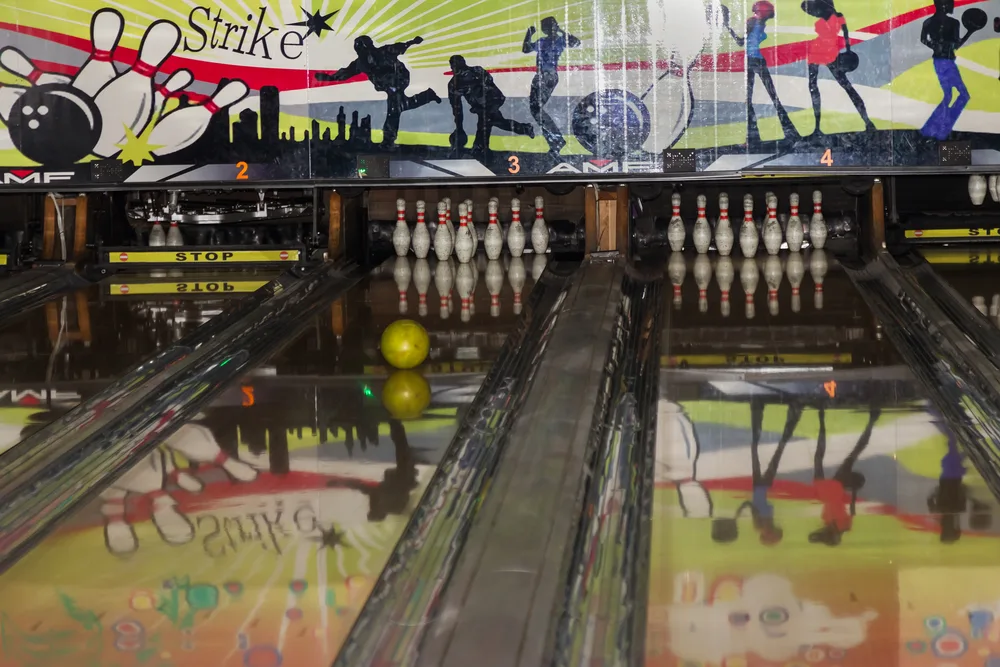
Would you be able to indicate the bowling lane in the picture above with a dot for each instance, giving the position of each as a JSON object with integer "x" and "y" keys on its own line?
{"x": 254, "y": 534}
{"x": 72, "y": 346}
{"x": 810, "y": 506}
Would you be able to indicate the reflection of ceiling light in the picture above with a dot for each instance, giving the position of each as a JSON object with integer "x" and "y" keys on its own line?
{"x": 263, "y": 371}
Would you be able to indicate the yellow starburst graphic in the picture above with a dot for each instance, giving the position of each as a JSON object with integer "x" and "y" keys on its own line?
{"x": 137, "y": 149}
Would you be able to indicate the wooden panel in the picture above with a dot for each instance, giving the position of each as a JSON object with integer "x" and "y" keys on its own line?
{"x": 335, "y": 209}
{"x": 590, "y": 218}
{"x": 80, "y": 227}
{"x": 622, "y": 227}
{"x": 875, "y": 236}
{"x": 607, "y": 210}
{"x": 49, "y": 229}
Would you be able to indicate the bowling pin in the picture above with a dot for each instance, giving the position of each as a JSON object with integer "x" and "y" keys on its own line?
{"x": 175, "y": 83}
{"x": 119, "y": 536}
{"x": 494, "y": 235}
{"x": 448, "y": 219}
{"x": 977, "y": 189}
{"x": 198, "y": 444}
{"x": 157, "y": 237}
{"x": 442, "y": 283}
{"x": 106, "y": 26}
{"x": 464, "y": 247}
{"x": 422, "y": 280}
{"x": 980, "y": 304}
{"x": 182, "y": 127}
{"x": 463, "y": 283}
{"x": 401, "y": 273}
{"x": 174, "y": 236}
{"x": 793, "y": 230}
{"x": 773, "y": 273}
{"x": 516, "y": 276}
{"x": 749, "y": 277}
{"x": 421, "y": 235}
{"x": 8, "y": 98}
{"x": 20, "y": 65}
{"x": 472, "y": 227}
{"x": 796, "y": 270}
{"x": 443, "y": 243}
{"x": 817, "y": 226}
{"x": 539, "y": 230}
{"x": 748, "y": 230}
{"x": 516, "y": 237}
{"x": 181, "y": 478}
{"x": 723, "y": 229}
{"x": 817, "y": 269}
{"x": 675, "y": 228}
{"x": 538, "y": 263}
{"x": 401, "y": 234}
{"x": 724, "y": 276}
{"x": 702, "y": 277}
{"x": 772, "y": 228}
{"x": 676, "y": 269}
{"x": 994, "y": 192}
{"x": 126, "y": 103}
{"x": 702, "y": 234}
{"x": 494, "y": 283}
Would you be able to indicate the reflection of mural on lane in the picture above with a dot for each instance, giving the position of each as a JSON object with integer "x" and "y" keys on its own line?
{"x": 761, "y": 454}
{"x": 760, "y": 615}
{"x": 206, "y": 551}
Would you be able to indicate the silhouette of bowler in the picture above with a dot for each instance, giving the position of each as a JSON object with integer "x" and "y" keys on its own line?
{"x": 476, "y": 86}
{"x": 388, "y": 75}
{"x": 549, "y": 49}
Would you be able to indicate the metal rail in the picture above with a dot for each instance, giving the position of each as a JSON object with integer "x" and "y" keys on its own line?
{"x": 603, "y": 616}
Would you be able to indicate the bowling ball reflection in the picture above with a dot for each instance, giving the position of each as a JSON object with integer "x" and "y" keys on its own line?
{"x": 405, "y": 344}
{"x": 406, "y": 395}
{"x": 54, "y": 124}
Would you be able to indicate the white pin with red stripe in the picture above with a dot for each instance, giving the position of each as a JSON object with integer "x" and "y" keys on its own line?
{"x": 19, "y": 64}
{"x": 182, "y": 127}
{"x": 126, "y": 103}
{"x": 106, "y": 28}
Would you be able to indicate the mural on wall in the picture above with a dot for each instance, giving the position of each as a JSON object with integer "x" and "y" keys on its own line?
{"x": 150, "y": 91}
{"x": 250, "y": 537}
{"x": 791, "y": 528}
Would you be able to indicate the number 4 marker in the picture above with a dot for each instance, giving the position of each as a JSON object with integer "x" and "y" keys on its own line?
{"x": 827, "y": 158}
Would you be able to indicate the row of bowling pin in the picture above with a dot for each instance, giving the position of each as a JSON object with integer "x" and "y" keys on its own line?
{"x": 749, "y": 273}
{"x": 130, "y": 100}
{"x": 771, "y": 232}
{"x": 464, "y": 240}
{"x": 979, "y": 186}
{"x": 465, "y": 280}
{"x": 171, "y": 237}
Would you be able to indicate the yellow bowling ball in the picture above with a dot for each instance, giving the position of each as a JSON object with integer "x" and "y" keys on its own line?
{"x": 406, "y": 394}
{"x": 405, "y": 344}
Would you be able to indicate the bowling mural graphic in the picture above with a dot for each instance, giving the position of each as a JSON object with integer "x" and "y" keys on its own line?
{"x": 146, "y": 92}
{"x": 215, "y": 548}
{"x": 790, "y": 529}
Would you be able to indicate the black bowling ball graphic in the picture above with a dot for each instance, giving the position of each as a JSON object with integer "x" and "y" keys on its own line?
{"x": 611, "y": 122}
{"x": 54, "y": 125}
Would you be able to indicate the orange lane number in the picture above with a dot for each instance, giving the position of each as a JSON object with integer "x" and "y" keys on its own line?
{"x": 243, "y": 167}
{"x": 830, "y": 388}
{"x": 514, "y": 164}
{"x": 248, "y": 398}
{"x": 827, "y": 158}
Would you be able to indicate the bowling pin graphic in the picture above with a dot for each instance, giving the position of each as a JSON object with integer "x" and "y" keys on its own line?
{"x": 8, "y": 97}
{"x": 126, "y": 103}
{"x": 18, "y": 64}
{"x": 198, "y": 445}
{"x": 175, "y": 83}
{"x": 182, "y": 127}
{"x": 106, "y": 28}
